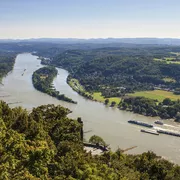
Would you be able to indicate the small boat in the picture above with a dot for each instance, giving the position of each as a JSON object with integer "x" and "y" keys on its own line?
{"x": 159, "y": 122}
{"x": 150, "y": 131}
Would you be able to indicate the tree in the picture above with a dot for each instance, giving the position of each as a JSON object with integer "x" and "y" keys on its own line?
{"x": 177, "y": 117}
{"x": 167, "y": 101}
{"x": 165, "y": 115}
{"x": 143, "y": 110}
{"x": 97, "y": 140}
{"x": 124, "y": 105}
{"x": 81, "y": 122}
{"x": 106, "y": 101}
{"x": 113, "y": 103}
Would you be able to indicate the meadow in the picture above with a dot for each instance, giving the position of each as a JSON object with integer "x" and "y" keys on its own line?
{"x": 98, "y": 97}
{"x": 160, "y": 95}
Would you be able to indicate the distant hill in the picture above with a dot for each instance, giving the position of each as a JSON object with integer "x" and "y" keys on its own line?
{"x": 159, "y": 41}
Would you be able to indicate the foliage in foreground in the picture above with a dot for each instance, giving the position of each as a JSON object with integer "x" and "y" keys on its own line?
{"x": 45, "y": 144}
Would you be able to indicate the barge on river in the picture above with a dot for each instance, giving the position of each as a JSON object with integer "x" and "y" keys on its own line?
{"x": 149, "y": 131}
{"x": 172, "y": 133}
{"x": 140, "y": 123}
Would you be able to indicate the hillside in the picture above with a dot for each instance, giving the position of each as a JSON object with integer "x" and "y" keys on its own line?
{"x": 159, "y": 41}
{"x": 134, "y": 69}
{"x": 45, "y": 144}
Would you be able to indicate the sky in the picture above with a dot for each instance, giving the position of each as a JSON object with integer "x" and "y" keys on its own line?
{"x": 21, "y": 19}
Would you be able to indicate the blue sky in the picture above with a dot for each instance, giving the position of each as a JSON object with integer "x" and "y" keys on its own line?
{"x": 89, "y": 18}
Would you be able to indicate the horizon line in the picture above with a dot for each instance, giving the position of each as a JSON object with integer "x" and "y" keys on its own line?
{"x": 104, "y": 38}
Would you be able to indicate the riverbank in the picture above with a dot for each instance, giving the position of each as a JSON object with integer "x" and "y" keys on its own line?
{"x": 140, "y": 105}
{"x": 96, "y": 96}
{"x": 140, "y": 102}
{"x": 6, "y": 65}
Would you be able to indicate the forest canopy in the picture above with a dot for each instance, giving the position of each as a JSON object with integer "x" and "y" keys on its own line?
{"x": 46, "y": 144}
{"x": 7, "y": 61}
{"x": 108, "y": 69}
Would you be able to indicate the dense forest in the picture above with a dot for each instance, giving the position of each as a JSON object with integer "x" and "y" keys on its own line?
{"x": 45, "y": 144}
{"x": 116, "y": 71}
{"x": 149, "y": 107}
{"x": 42, "y": 80}
{"x": 7, "y": 61}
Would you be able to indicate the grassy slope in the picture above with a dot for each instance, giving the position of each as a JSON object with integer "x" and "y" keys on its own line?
{"x": 75, "y": 85}
{"x": 156, "y": 94}
{"x": 98, "y": 97}
{"x": 169, "y": 79}
{"x": 160, "y": 95}
{"x": 169, "y": 60}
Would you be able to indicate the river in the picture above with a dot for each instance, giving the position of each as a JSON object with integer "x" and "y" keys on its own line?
{"x": 109, "y": 123}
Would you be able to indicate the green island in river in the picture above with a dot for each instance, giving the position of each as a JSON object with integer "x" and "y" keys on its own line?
{"x": 42, "y": 80}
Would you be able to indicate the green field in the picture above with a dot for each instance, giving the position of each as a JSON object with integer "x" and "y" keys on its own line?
{"x": 173, "y": 62}
{"x": 169, "y": 79}
{"x": 76, "y": 86}
{"x": 176, "y": 53}
{"x": 168, "y": 60}
{"x": 156, "y": 94}
{"x": 98, "y": 97}
{"x": 74, "y": 83}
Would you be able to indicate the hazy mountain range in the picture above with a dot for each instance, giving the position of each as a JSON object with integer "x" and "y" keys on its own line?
{"x": 166, "y": 41}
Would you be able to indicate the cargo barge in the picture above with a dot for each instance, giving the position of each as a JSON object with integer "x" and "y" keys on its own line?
{"x": 140, "y": 123}
{"x": 149, "y": 131}
{"x": 168, "y": 132}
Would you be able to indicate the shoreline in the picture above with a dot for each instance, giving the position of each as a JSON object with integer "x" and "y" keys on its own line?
{"x": 89, "y": 96}
{"x": 96, "y": 96}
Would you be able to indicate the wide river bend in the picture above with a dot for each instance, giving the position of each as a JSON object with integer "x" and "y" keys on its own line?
{"x": 109, "y": 123}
